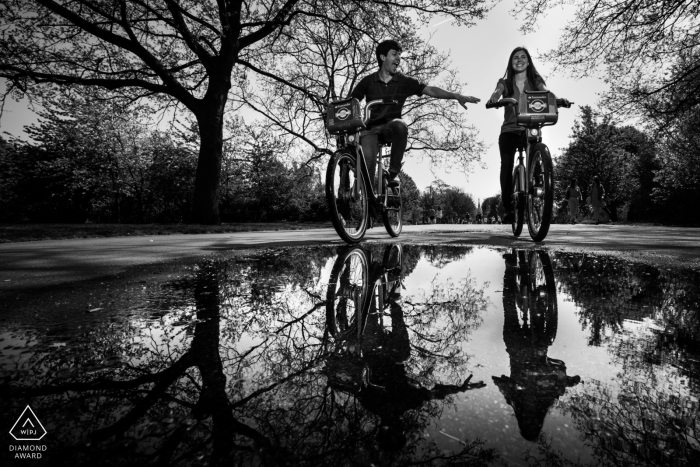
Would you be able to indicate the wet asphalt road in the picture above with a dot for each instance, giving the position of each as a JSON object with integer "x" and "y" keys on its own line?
{"x": 31, "y": 265}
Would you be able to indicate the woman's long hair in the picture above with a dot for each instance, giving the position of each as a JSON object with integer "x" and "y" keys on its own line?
{"x": 573, "y": 183}
{"x": 531, "y": 72}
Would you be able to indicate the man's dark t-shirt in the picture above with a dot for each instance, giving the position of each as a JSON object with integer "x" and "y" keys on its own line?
{"x": 399, "y": 89}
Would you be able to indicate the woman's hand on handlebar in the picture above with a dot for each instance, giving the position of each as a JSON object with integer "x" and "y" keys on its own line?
{"x": 562, "y": 102}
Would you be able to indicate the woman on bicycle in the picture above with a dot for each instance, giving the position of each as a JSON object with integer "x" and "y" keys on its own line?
{"x": 521, "y": 75}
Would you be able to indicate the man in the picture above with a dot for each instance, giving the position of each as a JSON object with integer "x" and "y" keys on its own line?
{"x": 389, "y": 84}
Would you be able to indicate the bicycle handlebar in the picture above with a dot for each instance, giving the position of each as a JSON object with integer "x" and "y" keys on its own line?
{"x": 510, "y": 101}
{"x": 502, "y": 103}
{"x": 374, "y": 104}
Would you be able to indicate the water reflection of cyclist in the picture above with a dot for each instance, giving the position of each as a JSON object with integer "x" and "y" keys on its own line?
{"x": 395, "y": 391}
{"x": 536, "y": 381}
{"x": 390, "y": 390}
{"x": 388, "y": 83}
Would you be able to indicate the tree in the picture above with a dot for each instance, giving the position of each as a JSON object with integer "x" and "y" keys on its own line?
{"x": 622, "y": 158}
{"x": 677, "y": 180}
{"x": 648, "y": 48}
{"x": 179, "y": 53}
{"x": 457, "y": 203}
{"x": 88, "y": 158}
{"x": 410, "y": 194}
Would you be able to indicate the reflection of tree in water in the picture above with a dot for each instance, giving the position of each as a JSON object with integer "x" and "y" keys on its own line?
{"x": 440, "y": 256}
{"x": 610, "y": 293}
{"x": 529, "y": 328}
{"x": 647, "y": 417}
{"x": 229, "y": 373}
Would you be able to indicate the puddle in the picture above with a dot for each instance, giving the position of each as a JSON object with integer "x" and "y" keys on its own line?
{"x": 374, "y": 355}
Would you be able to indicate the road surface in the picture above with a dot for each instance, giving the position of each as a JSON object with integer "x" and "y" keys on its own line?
{"x": 24, "y": 266}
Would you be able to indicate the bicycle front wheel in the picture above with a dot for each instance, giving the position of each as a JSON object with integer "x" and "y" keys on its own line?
{"x": 393, "y": 211}
{"x": 518, "y": 204}
{"x": 540, "y": 197}
{"x": 346, "y": 196}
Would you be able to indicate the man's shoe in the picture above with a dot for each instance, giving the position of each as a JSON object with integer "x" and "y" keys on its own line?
{"x": 393, "y": 181}
{"x": 509, "y": 218}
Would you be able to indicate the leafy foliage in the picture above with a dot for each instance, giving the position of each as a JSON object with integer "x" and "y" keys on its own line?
{"x": 622, "y": 157}
{"x": 453, "y": 200}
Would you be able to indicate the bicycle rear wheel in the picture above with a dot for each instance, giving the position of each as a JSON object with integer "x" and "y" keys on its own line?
{"x": 518, "y": 203}
{"x": 346, "y": 293}
{"x": 346, "y": 196}
{"x": 540, "y": 197}
{"x": 393, "y": 211}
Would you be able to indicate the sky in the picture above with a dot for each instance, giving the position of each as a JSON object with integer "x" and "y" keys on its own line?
{"x": 480, "y": 54}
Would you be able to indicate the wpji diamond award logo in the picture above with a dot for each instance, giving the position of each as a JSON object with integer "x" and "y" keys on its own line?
{"x": 28, "y": 428}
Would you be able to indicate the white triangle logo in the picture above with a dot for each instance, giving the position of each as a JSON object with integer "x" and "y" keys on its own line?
{"x": 28, "y": 427}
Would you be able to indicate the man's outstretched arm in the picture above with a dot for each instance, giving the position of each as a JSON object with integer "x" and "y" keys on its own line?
{"x": 439, "y": 93}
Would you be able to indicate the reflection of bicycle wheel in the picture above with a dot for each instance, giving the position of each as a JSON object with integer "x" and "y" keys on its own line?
{"x": 540, "y": 199}
{"x": 346, "y": 294}
{"x": 392, "y": 257}
{"x": 346, "y": 196}
{"x": 392, "y": 208}
{"x": 543, "y": 292}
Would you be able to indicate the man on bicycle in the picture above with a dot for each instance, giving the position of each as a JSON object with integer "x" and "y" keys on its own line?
{"x": 388, "y": 83}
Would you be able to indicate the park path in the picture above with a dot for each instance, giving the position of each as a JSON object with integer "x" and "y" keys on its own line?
{"x": 53, "y": 262}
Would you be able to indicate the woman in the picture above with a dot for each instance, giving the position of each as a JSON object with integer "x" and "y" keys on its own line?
{"x": 573, "y": 194}
{"x": 521, "y": 75}
{"x": 596, "y": 196}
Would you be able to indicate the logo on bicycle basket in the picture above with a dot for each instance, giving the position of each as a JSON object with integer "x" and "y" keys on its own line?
{"x": 537, "y": 105}
{"x": 342, "y": 113}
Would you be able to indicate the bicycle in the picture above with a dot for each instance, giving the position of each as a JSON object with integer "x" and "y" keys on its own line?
{"x": 533, "y": 182}
{"x": 349, "y": 195}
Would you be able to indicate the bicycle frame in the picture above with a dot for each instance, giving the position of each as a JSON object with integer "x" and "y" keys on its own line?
{"x": 361, "y": 163}
{"x": 361, "y": 167}
{"x": 520, "y": 171}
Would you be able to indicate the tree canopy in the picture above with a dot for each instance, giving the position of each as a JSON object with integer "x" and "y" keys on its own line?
{"x": 186, "y": 53}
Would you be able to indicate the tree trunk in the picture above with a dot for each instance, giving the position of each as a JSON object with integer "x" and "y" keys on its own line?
{"x": 205, "y": 203}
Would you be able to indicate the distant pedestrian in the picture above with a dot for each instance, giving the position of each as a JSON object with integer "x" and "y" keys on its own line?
{"x": 439, "y": 215}
{"x": 432, "y": 215}
{"x": 573, "y": 194}
{"x": 596, "y": 196}
{"x": 416, "y": 215}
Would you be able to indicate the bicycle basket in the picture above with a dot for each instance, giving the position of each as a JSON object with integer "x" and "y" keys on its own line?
{"x": 344, "y": 116}
{"x": 346, "y": 372}
{"x": 537, "y": 107}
